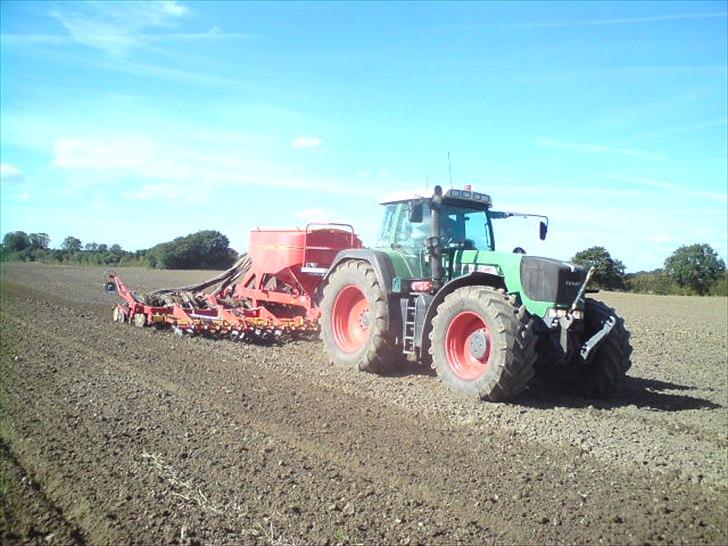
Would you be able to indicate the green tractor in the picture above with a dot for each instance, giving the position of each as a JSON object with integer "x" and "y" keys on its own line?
{"x": 487, "y": 321}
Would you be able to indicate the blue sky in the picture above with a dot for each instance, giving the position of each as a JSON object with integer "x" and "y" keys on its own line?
{"x": 134, "y": 123}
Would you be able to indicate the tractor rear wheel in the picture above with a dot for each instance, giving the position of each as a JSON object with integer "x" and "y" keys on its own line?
{"x": 598, "y": 377}
{"x": 355, "y": 320}
{"x": 483, "y": 343}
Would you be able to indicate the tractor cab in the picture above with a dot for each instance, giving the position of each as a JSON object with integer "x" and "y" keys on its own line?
{"x": 443, "y": 234}
{"x": 463, "y": 218}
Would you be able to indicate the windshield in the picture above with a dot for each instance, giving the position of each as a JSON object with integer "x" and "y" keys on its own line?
{"x": 461, "y": 227}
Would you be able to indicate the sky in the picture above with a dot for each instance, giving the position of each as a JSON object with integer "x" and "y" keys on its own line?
{"x": 137, "y": 122}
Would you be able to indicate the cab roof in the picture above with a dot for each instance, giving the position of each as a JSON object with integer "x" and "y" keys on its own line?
{"x": 464, "y": 194}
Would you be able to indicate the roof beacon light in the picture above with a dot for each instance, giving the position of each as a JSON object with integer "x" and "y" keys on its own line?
{"x": 468, "y": 187}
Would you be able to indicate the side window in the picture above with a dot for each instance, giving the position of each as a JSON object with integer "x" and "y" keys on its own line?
{"x": 476, "y": 229}
{"x": 413, "y": 236}
{"x": 453, "y": 226}
{"x": 387, "y": 224}
{"x": 404, "y": 228}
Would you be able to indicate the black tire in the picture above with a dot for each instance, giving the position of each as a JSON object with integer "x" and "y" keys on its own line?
{"x": 378, "y": 352}
{"x": 606, "y": 368}
{"x": 512, "y": 347}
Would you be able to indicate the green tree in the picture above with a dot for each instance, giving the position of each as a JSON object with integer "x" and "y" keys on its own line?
{"x": 608, "y": 274}
{"x": 720, "y": 287}
{"x": 695, "y": 266}
{"x": 39, "y": 241}
{"x": 202, "y": 250}
{"x": 15, "y": 241}
{"x": 71, "y": 244}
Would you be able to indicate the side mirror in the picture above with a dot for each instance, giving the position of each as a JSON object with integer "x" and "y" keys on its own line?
{"x": 415, "y": 212}
{"x": 542, "y": 230}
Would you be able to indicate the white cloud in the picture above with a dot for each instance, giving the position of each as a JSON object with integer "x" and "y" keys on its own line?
{"x": 10, "y": 173}
{"x": 120, "y": 157}
{"x": 24, "y": 196}
{"x": 116, "y": 155}
{"x": 114, "y": 27}
{"x": 677, "y": 130}
{"x": 587, "y": 147}
{"x": 306, "y": 142}
{"x": 669, "y": 186}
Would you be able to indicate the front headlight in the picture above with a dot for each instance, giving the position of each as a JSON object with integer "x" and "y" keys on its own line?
{"x": 560, "y": 313}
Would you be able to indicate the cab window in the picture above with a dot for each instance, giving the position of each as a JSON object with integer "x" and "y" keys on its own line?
{"x": 413, "y": 236}
{"x": 387, "y": 224}
{"x": 468, "y": 227}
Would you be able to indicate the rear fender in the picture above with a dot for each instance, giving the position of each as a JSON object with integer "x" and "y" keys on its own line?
{"x": 377, "y": 259}
{"x": 383, "y": 268}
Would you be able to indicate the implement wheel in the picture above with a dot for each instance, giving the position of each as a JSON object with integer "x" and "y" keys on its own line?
{"x": 600, "y": 375}
{"x": 483, "y": 344}
{"x": 140, "y": 320}
{"x": 355, "y": 321}
{"x": 117, "y": 315}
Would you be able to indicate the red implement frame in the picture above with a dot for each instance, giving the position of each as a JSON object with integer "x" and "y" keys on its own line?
{"x": 277, "y": 295}
{"x": 288, "y": 266}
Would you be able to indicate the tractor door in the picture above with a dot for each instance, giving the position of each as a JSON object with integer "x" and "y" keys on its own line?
{"x": 410, "y": 239}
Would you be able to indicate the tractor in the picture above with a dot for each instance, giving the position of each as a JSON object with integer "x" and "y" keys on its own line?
{"x": 434, "y": 288}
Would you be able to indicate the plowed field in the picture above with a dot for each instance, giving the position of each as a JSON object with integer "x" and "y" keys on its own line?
{"x": 117, "y": 435}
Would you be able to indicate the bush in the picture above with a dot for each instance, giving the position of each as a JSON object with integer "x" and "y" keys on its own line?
{"x": 652, "y": 282}
{"x": 202, "y": 250}
{"x": 719, "y": 287}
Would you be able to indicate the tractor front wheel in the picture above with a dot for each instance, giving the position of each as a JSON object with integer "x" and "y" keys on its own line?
{"x": 354, "y": 319}
{"x": 483, "y": 343}
{"x": 599, "y": 377}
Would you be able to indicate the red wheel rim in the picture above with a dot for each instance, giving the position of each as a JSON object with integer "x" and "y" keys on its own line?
{"x": 468, "y": 346}
{"x": 350, "y": 319}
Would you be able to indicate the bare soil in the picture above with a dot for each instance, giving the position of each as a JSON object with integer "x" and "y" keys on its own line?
{"x": 119, "y": 435}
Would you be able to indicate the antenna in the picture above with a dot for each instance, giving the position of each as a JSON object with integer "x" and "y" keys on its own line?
{"x": 449, "y": 168}
{"x": 427, "y": 182}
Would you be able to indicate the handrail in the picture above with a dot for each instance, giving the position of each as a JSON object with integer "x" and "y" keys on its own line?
{"x": 325, "y": 224}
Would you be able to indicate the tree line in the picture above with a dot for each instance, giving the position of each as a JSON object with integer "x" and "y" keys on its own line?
{"x": 693, "y": 269}
{"x": 689, "y": 270}
{"x": 207, "y": 249}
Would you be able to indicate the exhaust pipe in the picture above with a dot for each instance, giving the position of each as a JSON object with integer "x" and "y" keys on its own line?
{"x": 434, "y": 243}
